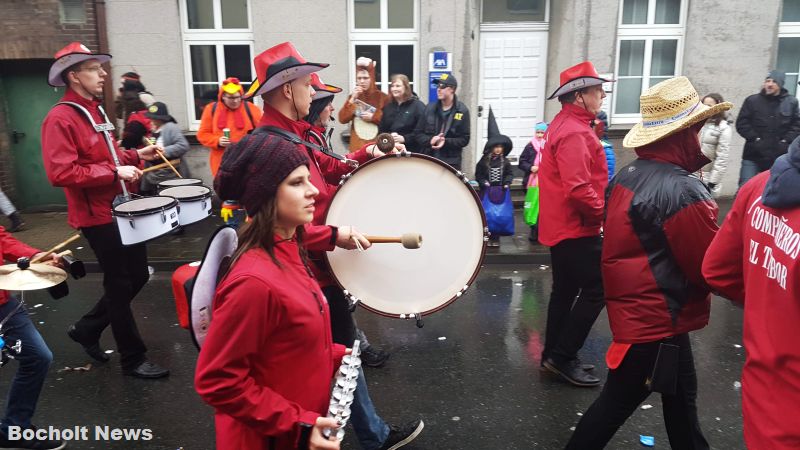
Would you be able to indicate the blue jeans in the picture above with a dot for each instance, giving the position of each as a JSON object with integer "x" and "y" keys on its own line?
{"x": 749, "y": 170}
{"x": 370, "y": 429}
{"x": 34, "y": 361}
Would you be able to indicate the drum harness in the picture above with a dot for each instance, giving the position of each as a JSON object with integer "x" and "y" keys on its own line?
{"x": 297, "y": 140}
{"x": 103, "y": 128}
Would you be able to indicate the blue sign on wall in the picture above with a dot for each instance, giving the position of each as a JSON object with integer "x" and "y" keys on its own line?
{"x": 432, "y": 77}
{"x": 440, "y": 60}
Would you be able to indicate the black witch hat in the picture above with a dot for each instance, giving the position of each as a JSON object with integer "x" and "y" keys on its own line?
{"x": 495, "y": 138}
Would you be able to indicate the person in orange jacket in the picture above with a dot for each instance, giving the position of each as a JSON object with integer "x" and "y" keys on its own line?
{"x": 230, "y": 111}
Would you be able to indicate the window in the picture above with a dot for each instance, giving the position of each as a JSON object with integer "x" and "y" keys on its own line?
{"x": 385, "y": 31}
{"x": 218, "y": 43}
{"x": 649, "y": 50}
{"x": 72, "y": 11}
{"x": 513, "y": 11}
{"x": 789, "y": 44}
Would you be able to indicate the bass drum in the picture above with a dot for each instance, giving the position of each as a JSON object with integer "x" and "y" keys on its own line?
{"x": 408, "y": 193}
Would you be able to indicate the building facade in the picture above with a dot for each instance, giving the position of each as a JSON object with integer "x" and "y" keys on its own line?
{"x": 505, "y": 54}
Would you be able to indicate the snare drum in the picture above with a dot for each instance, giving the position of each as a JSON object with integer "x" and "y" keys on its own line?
{"x": 145, "y": 218}
{"x": 195, "y": 202}
{"x": 408, "y": 193}
{"x": 178, "y": 182}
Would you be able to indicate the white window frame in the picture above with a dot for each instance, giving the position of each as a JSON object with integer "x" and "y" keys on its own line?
{"x": 647, "y": 32}
{"x": 790, "y": 30}
{"x": 218, "y": 37}
{"x": 384, "y": 37}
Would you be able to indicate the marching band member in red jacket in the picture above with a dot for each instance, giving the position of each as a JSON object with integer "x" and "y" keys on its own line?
{"x": 753, "y": 261}
{"x": 659, "y": 222}
{"x": 77, "y": 158}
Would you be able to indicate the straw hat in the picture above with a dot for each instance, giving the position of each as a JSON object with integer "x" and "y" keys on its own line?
{"x": 668, "y": 107}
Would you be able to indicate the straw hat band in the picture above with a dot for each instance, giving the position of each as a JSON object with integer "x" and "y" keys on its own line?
{"x": 668, "y": 120}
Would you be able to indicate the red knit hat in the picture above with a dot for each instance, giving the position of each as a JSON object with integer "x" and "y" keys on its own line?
{"x": 252, "y": 169}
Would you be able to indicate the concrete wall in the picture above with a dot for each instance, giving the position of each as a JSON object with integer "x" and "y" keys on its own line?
{"x": 731, "y": 60}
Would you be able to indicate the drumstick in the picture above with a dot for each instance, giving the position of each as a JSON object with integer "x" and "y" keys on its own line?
{"x": 57, "y": 247}
{"x": 409, "y": 240}
{"x": 166, "y": 161}
{"x": 174, "y": 162}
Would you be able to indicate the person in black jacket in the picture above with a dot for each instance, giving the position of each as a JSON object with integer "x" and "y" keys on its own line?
{"x": 494, "y": 168}
{"x": 443, "y": 130}
{"x": 400, "y": 116}
{"x": 769, "y": 121}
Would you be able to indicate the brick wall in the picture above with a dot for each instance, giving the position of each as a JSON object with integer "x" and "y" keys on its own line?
{"x": 32, "y": 29}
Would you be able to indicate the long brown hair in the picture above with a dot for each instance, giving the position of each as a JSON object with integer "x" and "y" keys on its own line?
{"x": 716, "y": 119}
{"x": 259, "y": 232}
{"x": 407, "y": 94}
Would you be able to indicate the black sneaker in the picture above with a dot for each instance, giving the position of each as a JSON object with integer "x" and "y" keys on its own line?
{"x": 371, "y": 357}
{"x": 402, "y": 435}
{"x": 92, "y": 349}
{"x": 36, "y": 444}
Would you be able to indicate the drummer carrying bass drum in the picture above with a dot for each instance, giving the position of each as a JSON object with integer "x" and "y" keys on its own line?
{"x": 80, "y": 157}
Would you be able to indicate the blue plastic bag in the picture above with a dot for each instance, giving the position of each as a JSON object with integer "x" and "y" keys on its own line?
{"x": 499, "y": 216}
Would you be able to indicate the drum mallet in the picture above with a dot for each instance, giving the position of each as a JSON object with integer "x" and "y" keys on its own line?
{"x": 409, "y": 240}
{"x": 57, "y": 247}
{"x": 173, "y": 162}
{"x": 384, "y": 142}
{"x": 166, "y": 161}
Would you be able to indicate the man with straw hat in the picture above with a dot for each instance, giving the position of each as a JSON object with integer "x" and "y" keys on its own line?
{"x": 81, "y": 157}
{"x": 659, "y": 222}
{"x": 572, "y": 178}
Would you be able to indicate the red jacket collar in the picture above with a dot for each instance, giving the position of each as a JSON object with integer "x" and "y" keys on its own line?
{"x": 72, "y": 96}
{"x": 273, "y": 117}
{"x": 578, "y": 111}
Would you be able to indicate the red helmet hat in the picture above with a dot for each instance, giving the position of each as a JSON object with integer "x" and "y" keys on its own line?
{"x": 577, "y": 77}
{"x": 278, "y": 65}
{"x": 322, "y": 90}
{"x": 67, "y": 57}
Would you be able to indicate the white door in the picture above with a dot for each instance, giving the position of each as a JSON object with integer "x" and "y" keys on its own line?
{"x": 512, "y": 82}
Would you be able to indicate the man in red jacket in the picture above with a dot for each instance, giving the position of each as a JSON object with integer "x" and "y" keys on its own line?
{"x": 77, "y": 158}
{"x": 34, "y": 360}
{"x": 659, "y": 221}
{"x": 753, "y": 260}
{"x": 572, "y": 177}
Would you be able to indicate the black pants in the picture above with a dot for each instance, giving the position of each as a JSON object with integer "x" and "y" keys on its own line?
{"x": 343, "y": 327}
{"x": 625, "y": 390}
{"x": 124, "y": 274}
{"x": 576, "y": 299}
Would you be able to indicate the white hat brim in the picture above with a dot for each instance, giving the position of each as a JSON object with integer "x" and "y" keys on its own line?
{"x": 576, "y": 84}
{"x": 288, "y": 75}
{"x": 67, "y": 61}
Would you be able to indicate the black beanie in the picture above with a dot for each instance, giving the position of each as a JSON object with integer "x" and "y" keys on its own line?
{"x": 252, "y": 169}
{"x": 317, "y": 106}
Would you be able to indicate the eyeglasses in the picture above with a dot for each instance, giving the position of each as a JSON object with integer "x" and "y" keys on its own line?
{"x": 96, "y": 69}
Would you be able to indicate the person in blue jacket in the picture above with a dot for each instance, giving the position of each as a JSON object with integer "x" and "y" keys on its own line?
{"x": 600, "y": 127}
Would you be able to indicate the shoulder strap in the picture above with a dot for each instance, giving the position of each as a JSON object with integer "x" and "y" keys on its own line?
{"x": 295, "y": 139}
{"x": 249, "y": 113}
{"x": 108, "y": 126}
{"x": 214, "y": 109}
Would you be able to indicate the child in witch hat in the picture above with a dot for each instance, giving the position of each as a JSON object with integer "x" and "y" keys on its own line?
{"x": 494, "y": 168}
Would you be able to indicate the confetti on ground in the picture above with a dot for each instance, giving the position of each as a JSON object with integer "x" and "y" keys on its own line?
{"x": 85, "y": 368}
{"x": 542, "y": 267}
{"x": 456, "y": 418}
{"x": 38, "y": 305}
{"x": 442, "y": 338}
{"x": 717, "y": 418}
{"x": 737, "y": 345}
{"x": 79, "y": 248}
{"x": 571, "y": 428}
{"x": 647, "y": 441}
{"x": 737, "y": 385}
{"x": 516, "y": 271}
{"x": 647, "y": 406}
{"x": 518, "y": 284}
{"x": 41, "y": 322}
{"x": 108, "y": 352}
{"x": 580, "y": 414}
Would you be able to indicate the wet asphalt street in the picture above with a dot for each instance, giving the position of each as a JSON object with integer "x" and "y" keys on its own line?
{"x": 472, "y": 373}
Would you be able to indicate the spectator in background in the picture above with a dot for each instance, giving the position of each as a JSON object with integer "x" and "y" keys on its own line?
{"x": 715, "y": 141}
{"x": 171, "y": 143}
{"x": 401, "y": 114}
{"x": 133, "y": 96}
{"x": 8, "y": 208}
{"x": 231, "y": 112}
{"x": 444, "y": 128}
{"x": 769, "y": 121}
{"x": 363, "y": 109}
{"x": 600, "y": 128}
{"x": 494, "y": 168}
{"x": 529, "y": 162}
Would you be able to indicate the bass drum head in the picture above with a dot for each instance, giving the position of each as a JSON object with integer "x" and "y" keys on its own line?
{"x": 396, "y": 195}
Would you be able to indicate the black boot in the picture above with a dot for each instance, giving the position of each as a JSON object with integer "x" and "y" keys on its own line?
{"x": 534, "y": 237}
{"x": 16, "y": 222}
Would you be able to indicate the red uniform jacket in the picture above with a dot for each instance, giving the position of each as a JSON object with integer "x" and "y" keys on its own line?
{"x": 12, "y": 249}
{"x": 754, "y": 259}
{"x": 268, "y": 361}
{"x": 659, "y": 222}
{"x": 572, "y": 178}
{"x": 77, "y": 158}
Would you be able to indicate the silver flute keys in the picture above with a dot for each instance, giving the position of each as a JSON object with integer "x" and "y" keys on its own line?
{"x": 344, "y": 389}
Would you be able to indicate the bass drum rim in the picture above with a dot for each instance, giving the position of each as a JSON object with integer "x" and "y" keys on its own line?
{"x": 475, "y": 198}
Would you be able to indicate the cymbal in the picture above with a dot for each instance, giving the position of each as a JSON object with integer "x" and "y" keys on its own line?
{"x": 13, "y": 277}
